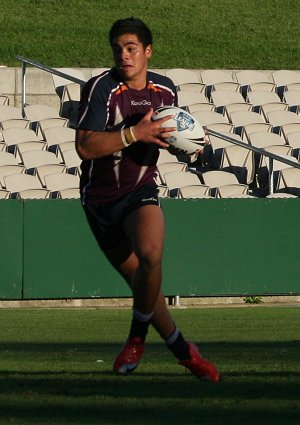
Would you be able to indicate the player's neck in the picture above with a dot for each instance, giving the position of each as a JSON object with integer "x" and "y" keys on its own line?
{"x": 137, "y": 83}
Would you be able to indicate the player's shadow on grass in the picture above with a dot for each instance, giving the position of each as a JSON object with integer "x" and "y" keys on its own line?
{"x": 63, "y": 383}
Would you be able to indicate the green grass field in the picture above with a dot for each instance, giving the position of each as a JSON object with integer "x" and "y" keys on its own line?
{"x": 56, "y": 369}
{"x": 233, "y": 34}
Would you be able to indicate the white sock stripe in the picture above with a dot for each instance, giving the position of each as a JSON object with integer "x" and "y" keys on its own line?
{"x": 172, "y": 338}
{"x": 142, "y": 317}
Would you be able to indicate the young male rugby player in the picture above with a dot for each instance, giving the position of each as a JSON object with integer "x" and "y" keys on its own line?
{"x": 119, "y": 146}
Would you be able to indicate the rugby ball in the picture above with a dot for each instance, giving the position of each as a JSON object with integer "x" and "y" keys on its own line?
{"x": 189, "y": 134}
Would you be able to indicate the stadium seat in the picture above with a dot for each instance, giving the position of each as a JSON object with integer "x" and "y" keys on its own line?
{"x": 289, "y": 181}
{"x": 7, "y": 158}
{"x": 71, "y": 159}
{"x": 36, "y": 113}
{"x": 292, "y": 99}
{"x": 168, "y": 167}
{"x": 177, "y": 179}
{"x": 72, "y": 193}
{"x": 263, "y": 139}
{"x": 224, "y": 184}
{"x": 97, "y": 71}
{"x": 215, "y": 79}
{"x": 241, "y": 118}
{"x": 15, "y": 123}
{"x": 218, "y": 144}
{"x": 42, "y": 163}
{"x": 7, "y": 170}
{"x": 10, "y": 112}
{"x": 279, "y": 118}
{"x": 231, "y": 99}
{"x": 195, "y": 191}
{"x": 281, "y": 195}
{"x": 293, "y": 140}
{"x": 239, "y": 161}
{"x": 206, "y": 118}
{"x": 59, "y": 181}
{"x": 252, "y": 80}
{"x": 17, "y": 183}
{"x": 188, "y": 98}
{"x": 165, "y": 156}
{"x": 282, "y": 78}
{"x": 186, "y": 79}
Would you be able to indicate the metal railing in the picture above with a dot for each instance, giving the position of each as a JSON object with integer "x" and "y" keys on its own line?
{"x": 271, "y": 156}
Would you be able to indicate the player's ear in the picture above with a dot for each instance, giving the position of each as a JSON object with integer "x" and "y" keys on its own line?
{"x": 148, "y": 51}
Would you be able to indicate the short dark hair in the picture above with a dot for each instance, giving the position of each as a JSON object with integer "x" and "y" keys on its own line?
{"x": 131, "y": 26}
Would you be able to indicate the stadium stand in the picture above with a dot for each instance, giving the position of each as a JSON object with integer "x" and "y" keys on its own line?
{"x": 260, "y": 109}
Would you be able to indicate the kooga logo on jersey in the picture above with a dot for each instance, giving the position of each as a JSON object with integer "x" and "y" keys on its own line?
{"x": 142, "y": 102}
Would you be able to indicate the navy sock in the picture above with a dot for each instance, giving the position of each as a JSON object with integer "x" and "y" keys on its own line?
{"x": 178, "y": 345}
{"x": 139, "y": 325}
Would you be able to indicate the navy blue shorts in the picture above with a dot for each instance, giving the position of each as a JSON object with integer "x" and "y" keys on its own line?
{"x": 106, "y": 220}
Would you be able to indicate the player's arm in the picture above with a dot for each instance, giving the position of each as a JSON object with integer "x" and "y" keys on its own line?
{"x": 98, "y": 144}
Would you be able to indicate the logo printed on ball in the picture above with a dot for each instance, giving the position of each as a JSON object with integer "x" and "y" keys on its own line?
{"x": 184, "y": 122}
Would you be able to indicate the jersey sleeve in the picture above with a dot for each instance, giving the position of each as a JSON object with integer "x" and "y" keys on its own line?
{"x": 93, "y": 106}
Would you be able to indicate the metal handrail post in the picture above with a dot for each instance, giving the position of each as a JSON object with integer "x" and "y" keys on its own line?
{"x": 23, "y": 87}
{"x": 271, "y": 176}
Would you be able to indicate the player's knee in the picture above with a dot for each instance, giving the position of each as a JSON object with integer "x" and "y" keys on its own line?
{"x": 150, "y": 258}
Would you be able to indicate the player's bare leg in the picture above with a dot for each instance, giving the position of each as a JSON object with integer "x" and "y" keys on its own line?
{"x": 127, "y": 263}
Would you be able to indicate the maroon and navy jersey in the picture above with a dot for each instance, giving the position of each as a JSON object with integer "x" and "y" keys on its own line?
{"x": 107, "y": 104}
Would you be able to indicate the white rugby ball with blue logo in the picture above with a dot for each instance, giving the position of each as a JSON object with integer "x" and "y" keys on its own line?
{"x": 189, "y": 134}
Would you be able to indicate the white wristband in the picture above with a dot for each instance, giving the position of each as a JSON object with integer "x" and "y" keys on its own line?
{"x": 123, "y": 138}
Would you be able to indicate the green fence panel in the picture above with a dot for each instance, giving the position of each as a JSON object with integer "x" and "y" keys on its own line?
{"x": 61, "y": 257}
{"x": 222, "y": 247}
{"x": 232, "y": 246}
{"x": 11, "y": 249}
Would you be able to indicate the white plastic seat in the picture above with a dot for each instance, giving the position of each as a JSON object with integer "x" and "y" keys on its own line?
{"x": 50, "y": 122}
{"x": 242, "y": 118}
{"x": 168, "y": 167}
{"x": 283, "y": 77}
{"x": 262, "y": 139}
{"x": 232, "y": 99}
{"x": 260, "y": 97}
{"x": 279, "y": 118}
{"x": 37, "y": 112}
{"x": 223, "y": 183}
{"x": 206, "y": 118}
{"x": 15, "y": 123}
{"x": 194, "y": 191}
{"x": 166, "y": 156}
{"x": 292, "y": 98}
{"x": 7, "y": 170}
{"x": 251, "y": 80}
{"x": 177, "y": 179}
{"x": 15, "y": 136}
{"x": 292, "y": 139}
{"x": 281, "y": 195}
{"x": 33, "y": 194}
{"x": 187, "y": 98}
{"x": 72, "y": 193}
{"x": 8, "y": 112}
{"x": 239, "y": 161}
{"x": 7, "y": 158}
{"x": 60, "y": 181}
{"x": 215, "y": 79}
{"x": 19, "y": 182}
{"x": 200, "y": 107}
{"x": 289, "y": 181}
{"x": 70, "y": 158}
{"x": 57, "y": 135}
{"x": 186, "y": 79}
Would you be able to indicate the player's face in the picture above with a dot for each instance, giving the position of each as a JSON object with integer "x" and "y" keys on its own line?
{"x": 131, "y": 59}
